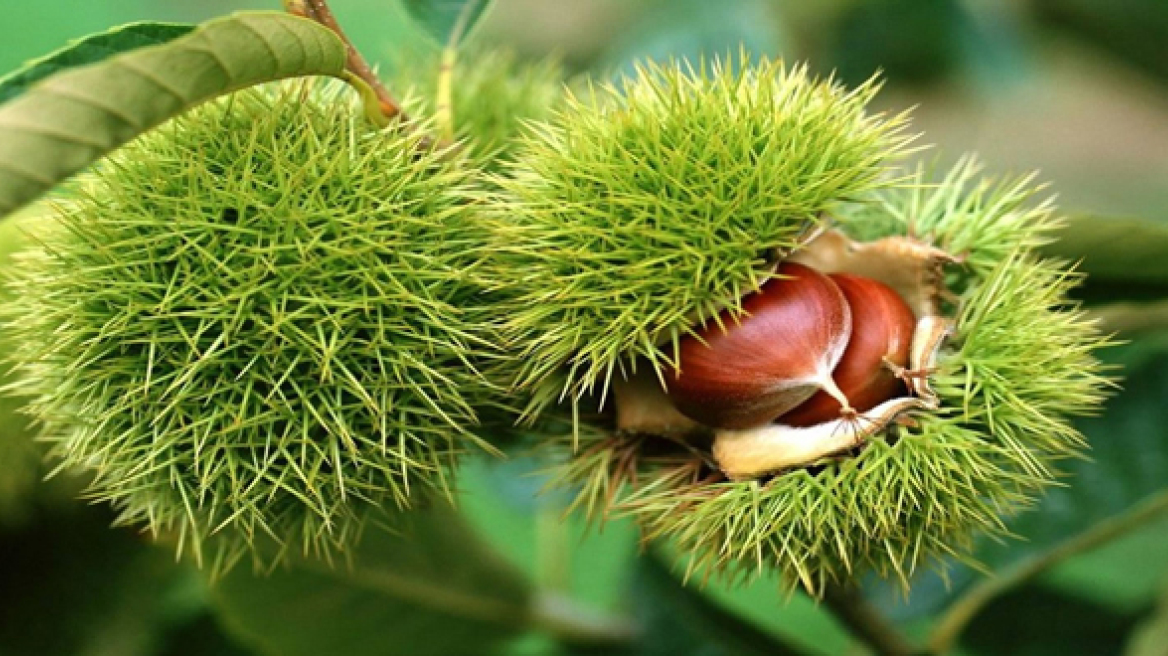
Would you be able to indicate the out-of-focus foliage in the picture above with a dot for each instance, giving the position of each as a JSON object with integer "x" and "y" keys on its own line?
{"x": 430, "y": 589}
{"x": 1078, "y": 88}
{"x": 19, "y": 455}
{"x": 1132, "y": 30}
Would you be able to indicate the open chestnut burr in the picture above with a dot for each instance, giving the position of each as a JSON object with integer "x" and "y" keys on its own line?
{"x": 827, "y": 352}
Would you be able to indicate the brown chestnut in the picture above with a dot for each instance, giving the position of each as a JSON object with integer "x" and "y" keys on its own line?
{"x": 882, "y": 331}
{"x": 743, "y": 372}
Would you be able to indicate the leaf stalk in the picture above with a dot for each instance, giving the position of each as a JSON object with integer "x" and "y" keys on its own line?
{"x": 318, "y": 11}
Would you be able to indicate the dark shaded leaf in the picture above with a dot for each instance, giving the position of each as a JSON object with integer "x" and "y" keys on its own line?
{"x": 442, "y": 18}
{"x": 679, "y": 620}
{"x": 1132, "y": 30}
{"x": 74, "y": 586}
{"x": 89, "y": 50}
{"x": 1035, "y": 621}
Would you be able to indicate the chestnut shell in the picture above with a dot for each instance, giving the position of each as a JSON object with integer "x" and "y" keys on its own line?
{"x": 882, "y": 328}
{"x": 742, "y": 372}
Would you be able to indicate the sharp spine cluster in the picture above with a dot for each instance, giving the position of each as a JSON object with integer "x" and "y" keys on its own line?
{"x": 620, "y": 212}
{"x": 256, "y": 325}
{"x": 262, "y": 323}
{"x": 645, "y": 207}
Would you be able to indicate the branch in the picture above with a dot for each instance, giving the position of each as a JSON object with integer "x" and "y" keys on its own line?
{"x": 962, "y": 612}
{"x": 573, "y": 624}
{"x": 862, "y": 620}
{"x": 318, "y": 10}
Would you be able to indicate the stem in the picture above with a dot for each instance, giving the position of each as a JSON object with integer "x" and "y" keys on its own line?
{"x": 862, "y": 620}
{"x": 962, "y": 612}
{"x": 444, "y": 109}
{"x": 318, "y": 10}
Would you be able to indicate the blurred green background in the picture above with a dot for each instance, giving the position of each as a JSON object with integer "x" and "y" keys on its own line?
{"x": 1077, "y": 89}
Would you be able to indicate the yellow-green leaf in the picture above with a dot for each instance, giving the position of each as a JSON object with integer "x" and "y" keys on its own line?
{"x": 67, "y": 121}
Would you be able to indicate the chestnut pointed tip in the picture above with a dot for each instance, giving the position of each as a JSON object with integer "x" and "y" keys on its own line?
{"x": 882, "y": 334}
{"x": 828, "y": 385}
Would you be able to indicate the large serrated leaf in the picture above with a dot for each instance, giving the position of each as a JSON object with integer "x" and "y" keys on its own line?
{"x": 67, "y": 121}
{"x": 444, "y": 19}
{"x": 90, "y": 50}
{"x": 434, "y": 589}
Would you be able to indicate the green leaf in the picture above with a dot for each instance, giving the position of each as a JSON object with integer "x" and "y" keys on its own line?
{"x": 447, "y": 21}
{"x": 1124, "y": 574}
{"x": 90, "y": 50}
{"x": 1037, "y": 621}
{"x": 432, "y": 589}
{"x": 65, "y": 122}
{"x": 678, "y": 620}
{"x": 1124, "y": 258}
{"x": 1151, "y": 635}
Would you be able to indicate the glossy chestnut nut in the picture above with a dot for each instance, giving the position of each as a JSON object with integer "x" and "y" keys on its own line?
{"x": 742, "y": 372}
{"x": 882, "y": 331}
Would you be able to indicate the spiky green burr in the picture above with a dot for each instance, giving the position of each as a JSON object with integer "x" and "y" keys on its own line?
{"x": 256, "y": 325}
{"x": 637, "y": 213}
{"x": 645, "y": 206}
{"x": 1018, "y": 367}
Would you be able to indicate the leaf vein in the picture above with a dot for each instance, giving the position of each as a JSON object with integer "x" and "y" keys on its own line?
{"x": 149, "y": 76}
{"x": 25, "y": 173}
{"x": 51, "y": 133}
{"x": 267, "y": 44}
{"x": 73, "y": 95}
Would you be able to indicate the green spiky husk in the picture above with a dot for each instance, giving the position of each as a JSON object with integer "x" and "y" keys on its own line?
{"x": 644, "y": 207}
{"x": 256, "y": 325}
{"x": 20, "y": 457}
{"x": 1018, "y": 367}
